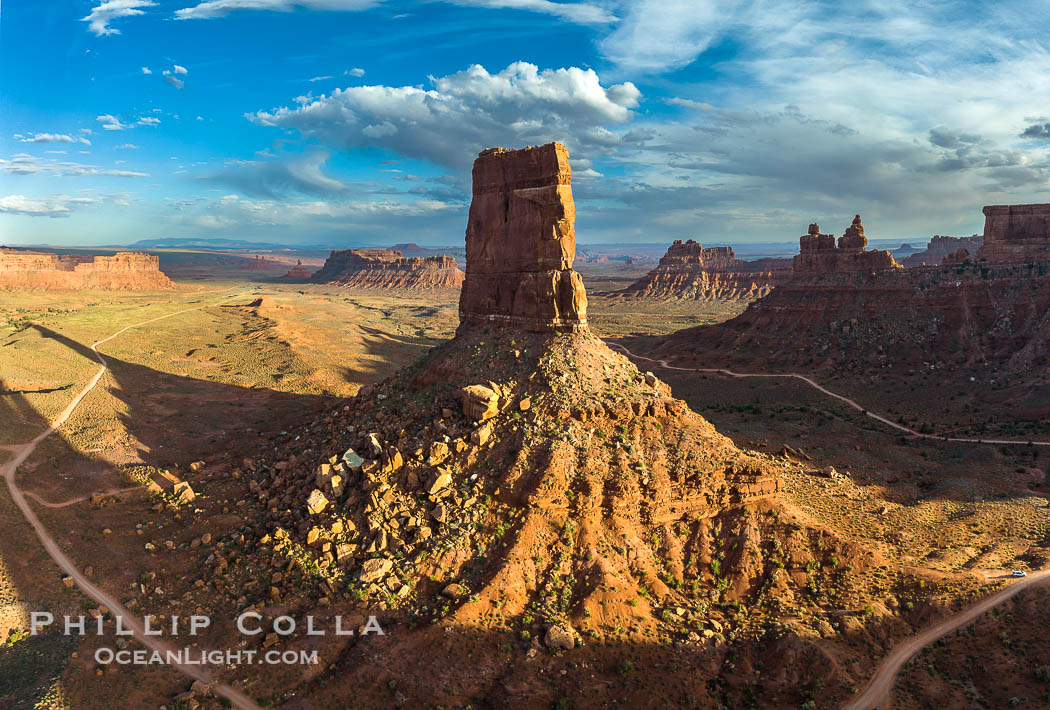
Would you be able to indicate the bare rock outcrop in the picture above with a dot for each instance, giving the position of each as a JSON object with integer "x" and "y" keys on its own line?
{"x": 960, "y": 256}
{"x": 298, "y": 271}
{"x": 819, "y": 254}
{"x": 690, "y": 271}
{"x": 941, "y": 246}
{"x": 521, "y": 243}
{"x": 1016, "y": 234}
{"x": 967, "y": 312}
{"x": 124, "y": 271}
{"x": 387, "y": 268}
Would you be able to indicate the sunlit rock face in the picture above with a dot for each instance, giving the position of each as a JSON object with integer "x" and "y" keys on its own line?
{"x": 521, "y": 243}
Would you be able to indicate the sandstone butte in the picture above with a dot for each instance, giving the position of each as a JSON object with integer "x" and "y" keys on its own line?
{"x": 940, "y": 247}
{"x": 690, "y": 271}
{"x": 298, "y": 271}
{"x": 386, "y": 268}
{"x": 524, "y": 481}
{"x": 820, "y": 254}
{"x": 847, "y": 306}
{"x": 124, "y": 271}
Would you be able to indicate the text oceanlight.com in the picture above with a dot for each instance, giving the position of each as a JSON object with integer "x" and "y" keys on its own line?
{"x": 200, "y": 657}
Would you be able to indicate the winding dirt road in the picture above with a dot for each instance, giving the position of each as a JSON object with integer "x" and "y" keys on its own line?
{"x": 81, "y": 499}
{"x": 881, "y": 684}
{"x": 128, "y": 620}
{"x": 899, "y": 427}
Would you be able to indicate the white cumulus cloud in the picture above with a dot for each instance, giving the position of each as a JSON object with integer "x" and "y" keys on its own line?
{"x": 468, "y": 111}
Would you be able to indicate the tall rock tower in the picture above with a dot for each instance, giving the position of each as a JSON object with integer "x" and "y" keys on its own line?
{"x": 521, "y": 243}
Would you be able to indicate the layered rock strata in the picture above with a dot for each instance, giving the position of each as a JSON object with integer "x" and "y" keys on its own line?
{"x": 123, "y": 271}
{"x": 1016, "y": 234}
{"x": 521, "y": 242}
{"x": 941, "y": 246}
{"x": 690, "y": 271}
{"x": 819, "y": 254}
{"x": 298, "y": 271}
{"x": 387, "y": 268}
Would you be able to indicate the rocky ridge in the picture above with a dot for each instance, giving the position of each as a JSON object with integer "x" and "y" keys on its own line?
{"x": 386, "y": 268}
{"x": 124, "y": 271}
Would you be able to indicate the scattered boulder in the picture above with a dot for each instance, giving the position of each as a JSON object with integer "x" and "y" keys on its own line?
{"x": 183, "y": 492}
{"x": 439, "y": 481}
{"x": 375, "y": 570}
{"x": 316, "y": 503}
{"x": 479, "y": 402}
{"x": 560, "y": 637}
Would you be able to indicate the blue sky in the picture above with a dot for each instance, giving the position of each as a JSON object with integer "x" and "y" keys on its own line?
{"x": 356, "y": 121}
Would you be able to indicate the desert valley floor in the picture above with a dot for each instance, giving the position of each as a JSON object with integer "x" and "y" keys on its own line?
{"x": 215, "y": 370}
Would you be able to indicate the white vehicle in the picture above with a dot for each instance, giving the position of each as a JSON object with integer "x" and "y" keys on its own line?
{"x": 1020, "y": 573}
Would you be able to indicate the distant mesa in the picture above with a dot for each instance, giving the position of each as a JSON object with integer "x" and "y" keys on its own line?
{"x": 124, "y": 271}
{"x": 940, "y": 247}
{"x": 690, "y": 271}
{"x": 1016, "y": 234}
{"x": 298, "y": 271}
{"x": 819, "y": 253}
{"x": 259, "y": 263}
{"x": 521, "y": 242}
{"x": 387, "y": 268}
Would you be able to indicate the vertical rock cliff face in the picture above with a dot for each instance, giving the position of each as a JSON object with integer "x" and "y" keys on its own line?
{"x": 689, "y": 271}
{"x": 1016, "y": 234}
{"x": 123, "y": 271}
{"x": 521, "y": 243}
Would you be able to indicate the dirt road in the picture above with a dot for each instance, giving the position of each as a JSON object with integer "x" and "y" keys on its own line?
{"x": 129, "y": 621}
{"x": 881, "y": 684}
{"x": 825, "y": 390}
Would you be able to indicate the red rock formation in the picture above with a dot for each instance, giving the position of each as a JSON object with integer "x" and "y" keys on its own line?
{"x": 521, "y": 242}
{"x": 818, "y": 253}
{"x": 384, "y": 268}
{"x": 853, "y": 238}
{"x": 961, "y": 256}
{"x": 298, "y": 271}
{"x": 965, "y": 314}
{"x": 690, "y": 271}
{"x": 1016, "y": 234}
{"x": 120, "y": 272}
{"x": 940, "y": 247}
